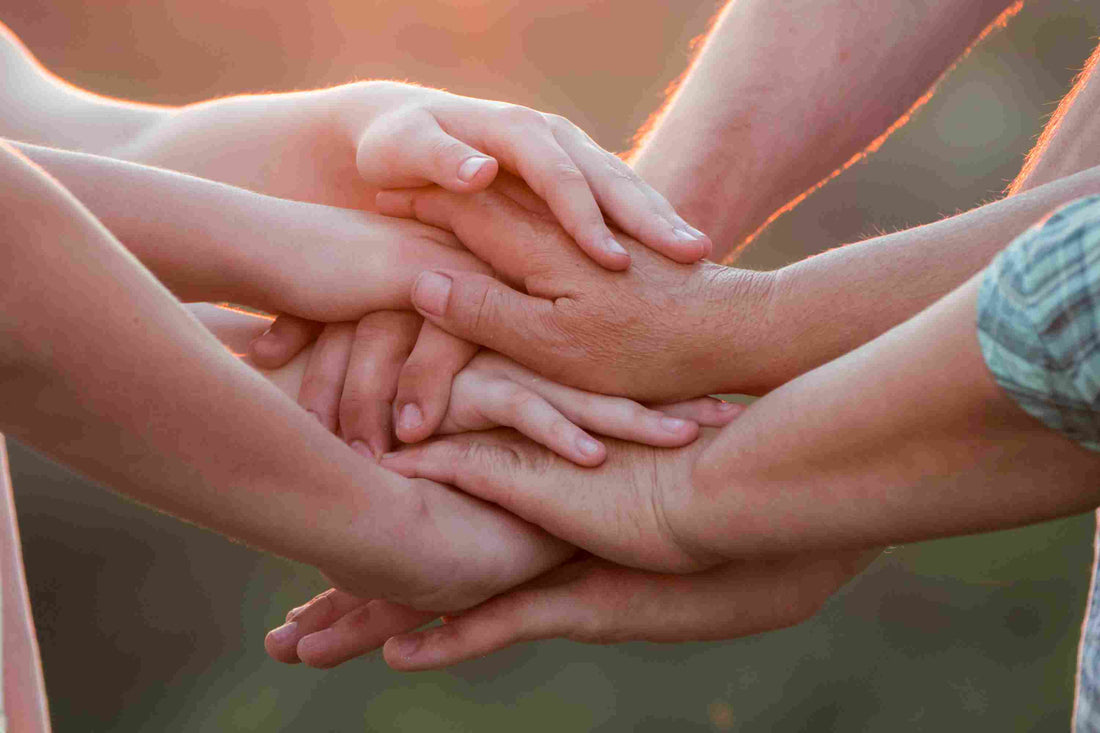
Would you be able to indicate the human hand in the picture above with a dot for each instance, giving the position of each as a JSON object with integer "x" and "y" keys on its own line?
{"x": 658, "y": 331}
{"x": 339, "y": 146}
{"x": 490, "y": 391}
{"x": 621, "y": 510}
{"x": 587, "y": 600}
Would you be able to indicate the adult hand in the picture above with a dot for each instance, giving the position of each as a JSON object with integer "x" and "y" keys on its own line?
{"x": 658, "y": 331}
{"x": 491, "y": 391}
{"x": 616, "y": 511}
{"x": 588, "y": 600}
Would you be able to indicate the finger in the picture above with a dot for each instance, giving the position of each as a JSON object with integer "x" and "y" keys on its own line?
{"x": 706, "y": 411}
{"x": 615, "y": 417}
{"x": 597, "y": 602}
{"x": 358, "y": 632}
{"x": 424, "y": 385}
{"x": 409, "y": 148}
{"x": 498, "y": 230}
{"x": 634, "y": 205}
{"x": 561, "y": 602}
{"x": 382, "y": 342}
{"x": 323, "y": 380}
{"x": 506, "y": 403}
{"x": 321, "y": 611}
{"x": 287, "y": 336}
{"x": 504, "y": 468}
{"x": 516, "y": 189}
{"x": 523, "y": 141}
{"x": 484, "y": 311}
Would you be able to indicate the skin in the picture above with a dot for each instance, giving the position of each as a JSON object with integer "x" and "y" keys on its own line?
{"x": 339, "y": 147}
{"x": 700, "y": 328}
{"x": 489, "y": 392}
{"x": 597, "y": 602}
{"x": 784, "y": 94}
{"x": 24, "y": 688}
{"x": 493, "y": 391}
{"x": 174, "y": 421}
{"x": 932, "y": 447}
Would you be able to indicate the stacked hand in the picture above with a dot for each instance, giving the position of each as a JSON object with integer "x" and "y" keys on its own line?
{"x": 651, "y": 332}
{"x": 343, "y": 145}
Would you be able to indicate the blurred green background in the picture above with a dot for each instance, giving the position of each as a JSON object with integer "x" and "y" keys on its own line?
{"x": 150, "y": 625}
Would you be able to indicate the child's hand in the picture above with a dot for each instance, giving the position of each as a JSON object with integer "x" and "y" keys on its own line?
{"x": 340, "y": 146}
{"x": 412, "y": 136}
{"x": 350, "y": 378}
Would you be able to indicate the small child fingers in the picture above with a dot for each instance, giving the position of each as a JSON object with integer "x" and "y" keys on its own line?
{"x": 383, "y": 341}
{"x": 279, "y": 344}
{"x": 323, "y": 379}
{"x": 508, "y": 404}
{"x": 707, "y": 411}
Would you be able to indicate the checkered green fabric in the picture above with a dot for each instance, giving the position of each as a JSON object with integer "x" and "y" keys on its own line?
{"x": 1039, "y": 320}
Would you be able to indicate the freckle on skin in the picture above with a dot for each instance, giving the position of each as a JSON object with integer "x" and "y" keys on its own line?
{"x": 844, "y": 56}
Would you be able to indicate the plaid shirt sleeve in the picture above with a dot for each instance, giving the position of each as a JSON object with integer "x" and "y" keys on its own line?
{"x": 1039, "y": 321}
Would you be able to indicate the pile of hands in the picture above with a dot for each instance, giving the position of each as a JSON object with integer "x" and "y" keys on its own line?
{"x": 477, "y": 297}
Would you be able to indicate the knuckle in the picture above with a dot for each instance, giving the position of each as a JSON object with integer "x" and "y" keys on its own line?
{"x": 520, "y": 116}
{"x": 445, "y": 151}
{"x": 567, "y": 174}
{"x": 558, "y": 123}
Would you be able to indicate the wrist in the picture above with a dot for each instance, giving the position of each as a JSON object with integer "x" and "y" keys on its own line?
{"x": 737, "y": 350}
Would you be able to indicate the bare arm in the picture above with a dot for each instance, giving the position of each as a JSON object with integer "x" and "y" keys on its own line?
{"x": 208, "y": 241}
{"x": 39, "y": 107}
{"x": 785, "y": 93}
{"x": 172, "y": 420}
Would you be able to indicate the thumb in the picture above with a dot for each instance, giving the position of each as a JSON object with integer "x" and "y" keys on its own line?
{"x": 411, "y": 149}
{"x": 485, "y": 311}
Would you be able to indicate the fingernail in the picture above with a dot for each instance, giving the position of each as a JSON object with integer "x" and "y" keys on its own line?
{"x": 379, "y": 447}
{"x": 685, "y": 236}
{"x": 387, "y": 456}
{"x": 362, "y": 449}
{"x": 587, "y": 445}
{"x": 471, "y": 167}
{"x": 411, "y": 417}
{"x": 726, "y": 406}
{"x": 673, "y": 424}
{"x": 613, "y": 246}
{"x": 698, "y": 234}
{"x": 284, "y": 633}
{"x": 407, "y": 646}
{"x": 431, "y": 292}
{"x": 261, "y": 337}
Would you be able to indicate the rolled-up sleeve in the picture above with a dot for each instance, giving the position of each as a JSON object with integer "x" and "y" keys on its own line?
{"x": 1039, "y": 321}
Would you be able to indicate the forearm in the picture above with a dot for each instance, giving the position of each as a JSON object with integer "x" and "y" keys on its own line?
{"x": 203, "y": 240}
{"x": 284, "y": 145}
{"x": 105, "y": 371}
{"x": 1071, "y": 140}
{"x": 908, "y": 437}
{"x": 44, "y": 109}
{"x": 785, "y": 93}
{"x": 827, "y": 305}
